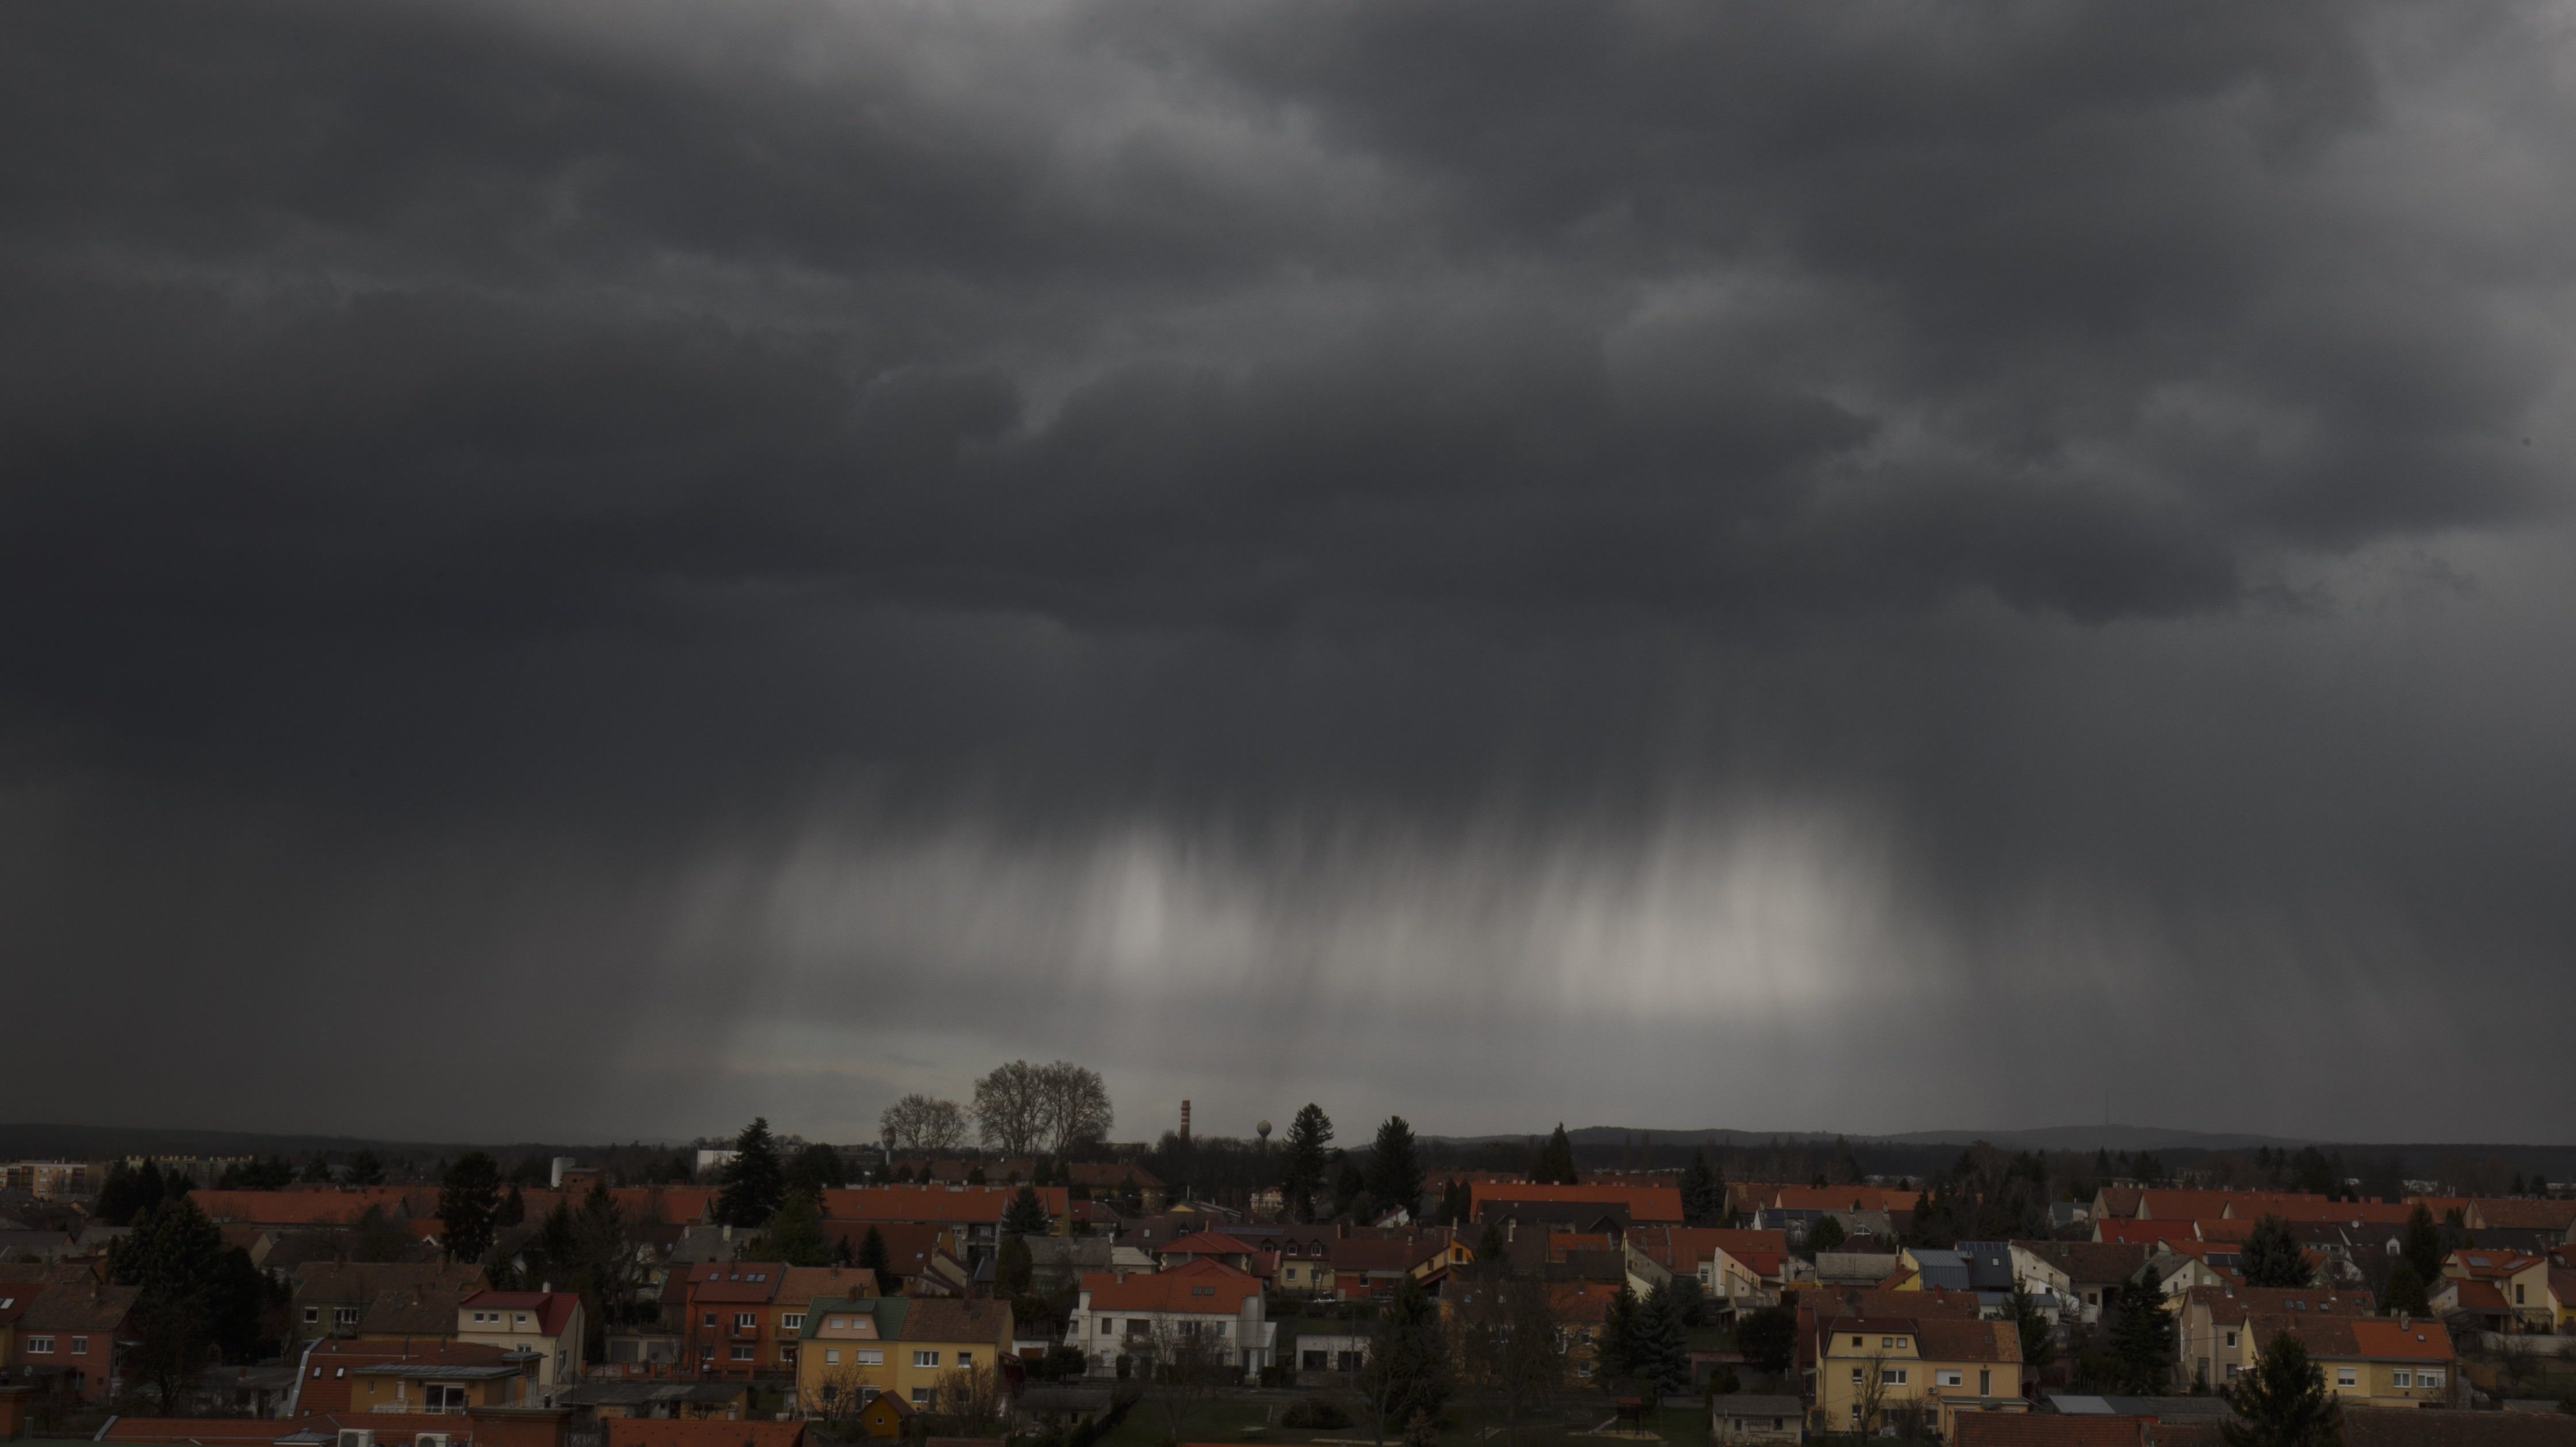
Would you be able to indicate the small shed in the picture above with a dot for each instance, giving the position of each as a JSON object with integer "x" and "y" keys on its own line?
{"x": 1742, "y": 1417}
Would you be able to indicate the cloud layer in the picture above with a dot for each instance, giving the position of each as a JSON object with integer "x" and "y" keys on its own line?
{"x": 1671, "y": 563}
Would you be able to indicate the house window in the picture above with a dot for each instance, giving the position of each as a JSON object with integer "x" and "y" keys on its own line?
{"x": 742, "y": 1353}
{"x": 1885, "y": 1342}
{"x": 745, "y": 1321}
{"x": 1856, "y": 1343}
{"x": 312, "y": 1316}
{"x": 2517, "y": 1293}
{"x": 2428, "y": 1378}
{"x": 445, "y": 1397}
{"x": 710, "y": 1322}
{"x": 80, "y": 1346}
{"x": 2402, "y": 1377}
{"x": 921, "y": 1396}
{"x": 1317, "y": 1361}
{"x": 39, "y": 1345}
{"x": 831, "y": 1356}
{"x": 965, "y": 1361}
{"x": 1949, "y": 1379}
{"x": 2344, "y": 1377}
{"x": 840, "y": 1323}
{"x": 1891, "y": 1376}
{"x": 1855, "y": 1376}
{"x": 870, "y": 1356}
{"x": 522, "y": 1318}
{"x": 2231, "y": 1340}
{"x": 791, "y": 1321}
{"x": 787, "y": 1352}
{"x": 925, "y": 1359}
{"x": 344, "y": 1316}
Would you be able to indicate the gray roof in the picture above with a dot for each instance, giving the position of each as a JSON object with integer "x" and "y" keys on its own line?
{"x": 648, "y": 1393}
{"x": 1989, "y": 1264}
{"x": 1870, "y": 1267}
{"x": 1734, "y": 1404}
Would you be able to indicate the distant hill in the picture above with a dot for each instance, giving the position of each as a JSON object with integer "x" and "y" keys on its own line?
{"x": 104, "y": 1142}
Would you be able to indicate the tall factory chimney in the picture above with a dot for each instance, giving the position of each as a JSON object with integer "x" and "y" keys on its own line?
{"x": 1185, "y": 1120}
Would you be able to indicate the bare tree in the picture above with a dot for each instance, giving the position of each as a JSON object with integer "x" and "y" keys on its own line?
{"x": 840, "y": 1392}
{"x": 971, "y": 1397}
{"x": 1185, "y": 1364}
{"x": 1508, "y": 1345}
{"x": 1871, "y": 1396}
{"x": 1011, "y": 1108}
{"x": 923, "y": 1123}
{"x": 1076, "y": 1105}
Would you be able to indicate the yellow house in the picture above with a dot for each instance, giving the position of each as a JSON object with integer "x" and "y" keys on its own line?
{"x": 1870, "y": 1370}
{"x": 855, "y": 1350}
{"x": 547, "y": 1323}
{"x": 451, "y": 1379}
{"x": 2376, "y": 1361}
{"x": 2214, "y": 1334}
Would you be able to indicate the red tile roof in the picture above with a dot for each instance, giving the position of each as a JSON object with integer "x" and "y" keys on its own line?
{"x": 1845, "y": 1198}
{"x": 1644, "y": 1203}
{"x": 946, "y": 1205}
{"x": 658, "y": 1432}
{"x": 1201, "y": 1286}
{"x": 2050, "y": 1429}
{"x": 552, "y": 1309}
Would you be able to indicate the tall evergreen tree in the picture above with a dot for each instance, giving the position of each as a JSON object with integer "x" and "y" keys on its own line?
{"x": 2283, "y": 1401}
{"x": 1302, "y": 1161}
{"x": 469, "y": 1200}
{"x": 126, "y": 1194}
{"x": 1408, "y": 1370}
{"x": 1703, "y": 1191}
{"x": 1614, "y": 1362}
{"x": 514, "y": 1208}
{"x": 2272, "y": 1256}
{"x": 366, "y": 1170}
{"x": 2142, "y": 1345}
{"x": 873, "y": 1254}
{"x": 1026, "y": 1215}
{"x": 1395, "y": 1167}
{"x": 816, "y": 1169}
{"x": 755, "y": 1184}
{"x": 2404, "y": 1295}
{"x": 2422, "y": 1245}
{"x": 795, "y": 1235}
{"x": 1555, "y": 1163}
{"x": 1659, "y": 1351}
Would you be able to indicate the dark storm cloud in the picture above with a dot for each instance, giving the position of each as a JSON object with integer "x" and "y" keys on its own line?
{"x": 1633, "y": 513}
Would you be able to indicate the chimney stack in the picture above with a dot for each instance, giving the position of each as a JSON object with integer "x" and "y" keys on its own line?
{"x": 1185, "y": 1120}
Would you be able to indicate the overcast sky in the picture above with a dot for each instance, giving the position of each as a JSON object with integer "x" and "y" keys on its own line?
{"x": 594, "y": 569}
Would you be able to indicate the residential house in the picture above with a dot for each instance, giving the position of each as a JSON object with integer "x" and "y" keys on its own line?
{"x": 2088, "y": 1274}
{"x": 1119, "y": 1315}
{"x": 725, "y": 1317}
{"x": 1736, "y": 1269}
{"x": 973, "y": 1212}
{"x": 1870, "y": 1370}
{"x": 325, "y": 1368}
{"x": 855, "y": 1350}
{"x": 2372, "y": 1361}
{"x": 451, "y": 1378}
{"x": 2214, "y": 1339}
{"x": 69, "y": 1335}
{"x": 546, "y": 1323}
{"x": 331, "y": 1298}
{"x": 2521, "y": 1278}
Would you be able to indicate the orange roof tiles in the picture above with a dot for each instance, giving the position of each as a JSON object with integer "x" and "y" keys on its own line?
{"x": 1846, "y": 1198}
{"x": 1644, "y": 1203}
{"x": 673, "y": 1432}
{"x": 946, "y": 1205}
{"x": 1203, "y": 1286}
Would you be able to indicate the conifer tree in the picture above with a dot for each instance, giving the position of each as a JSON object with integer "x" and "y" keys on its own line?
{"x": 2273, "y": 1257}
{"x": 1395, "y": 1169}
{"x": 1555, "y": 1163}
{"x": 755, "y": 1183}
{"x": 2283, "y": 1401}
{"x": 1303, "y": 1161}
{"x": 1703, "y": 1191}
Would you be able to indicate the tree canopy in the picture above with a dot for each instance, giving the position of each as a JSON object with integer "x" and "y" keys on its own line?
{"x": 755, "y": 1184}
{"x": 469, "y": 1205}
{"x": 1555, "y": 1163}
{"x": 2283, "y": 1401}
{"x": 1395, "y": 1167}
{"x": 2273, "y": 1257}
{"x": 1303, "y": 1160}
